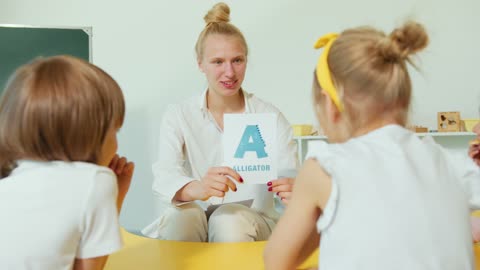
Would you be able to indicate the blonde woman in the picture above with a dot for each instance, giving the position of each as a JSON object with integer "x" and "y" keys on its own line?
{"x": 189, "y": 169}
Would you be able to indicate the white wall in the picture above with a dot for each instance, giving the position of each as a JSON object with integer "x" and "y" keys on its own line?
{"x": 147, "y": 45}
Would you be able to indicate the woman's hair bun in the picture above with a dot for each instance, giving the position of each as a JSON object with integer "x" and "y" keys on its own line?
{"x": 220, "y": 12}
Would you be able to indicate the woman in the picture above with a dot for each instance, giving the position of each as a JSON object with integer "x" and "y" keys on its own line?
{"x": 189, "y": 172}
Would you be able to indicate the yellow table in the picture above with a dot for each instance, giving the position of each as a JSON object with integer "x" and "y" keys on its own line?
{"x": 144, "y": 254}
{"x": 151, "y": 254}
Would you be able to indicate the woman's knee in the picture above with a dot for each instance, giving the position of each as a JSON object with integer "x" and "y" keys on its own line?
{"x": 229, "y": 211}
{"x": 185, "y": 223}
{"x": 236, "y": 223}
{"x": 188, "y": 213}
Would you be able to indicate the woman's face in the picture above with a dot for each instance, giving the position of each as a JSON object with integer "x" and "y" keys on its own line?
{"x": 224, "y": 63}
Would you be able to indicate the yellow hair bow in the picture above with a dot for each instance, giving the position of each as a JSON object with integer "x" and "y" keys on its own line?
{"x": 323, "y": 71}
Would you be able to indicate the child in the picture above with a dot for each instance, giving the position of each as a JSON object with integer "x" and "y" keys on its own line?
{"x": 380, "y": 197}
{"x": 474, "y": 153}
{"x": 59, "y": 202}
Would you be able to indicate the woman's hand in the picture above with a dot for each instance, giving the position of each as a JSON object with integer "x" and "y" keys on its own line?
{"x": 124, "y": 171}
{"x": 282, "y": 187}
{"x": 216, "y": 182}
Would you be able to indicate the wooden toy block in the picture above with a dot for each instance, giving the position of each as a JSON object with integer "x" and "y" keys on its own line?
{"x": 418, "y": 129}
{"x": 448, "y": 121}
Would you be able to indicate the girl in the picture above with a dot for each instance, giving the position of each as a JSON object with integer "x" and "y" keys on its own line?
{"x": 189, "y": 172}
{"x": 380, "y": 197}
{"x": 474, "y": 153}
{"x": 59, "y": 201}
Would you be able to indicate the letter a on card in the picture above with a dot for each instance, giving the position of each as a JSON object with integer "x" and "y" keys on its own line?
{"x": 249, "y": 143}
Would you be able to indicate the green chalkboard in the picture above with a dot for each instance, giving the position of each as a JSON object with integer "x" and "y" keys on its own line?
{"x": 19, "y": 45}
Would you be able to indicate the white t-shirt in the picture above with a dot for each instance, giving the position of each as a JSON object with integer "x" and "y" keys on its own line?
{"x": 54, "y": 212}
{"x": 397, "y": 202}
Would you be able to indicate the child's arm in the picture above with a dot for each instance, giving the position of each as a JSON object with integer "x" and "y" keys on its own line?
{"x": 96, "y": 263}
{"x": 309, "y": 247}
{"x": 295, "y": 237}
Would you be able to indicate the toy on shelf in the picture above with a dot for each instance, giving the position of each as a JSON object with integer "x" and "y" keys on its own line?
{"x": 448, "y": 121}
{"x": 302, "y": 130}
{"x": 418, "y": 129}
{"x": 468, "y": 124}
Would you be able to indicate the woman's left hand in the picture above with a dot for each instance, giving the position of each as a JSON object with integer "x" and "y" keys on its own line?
{"x": 282, "y": 187}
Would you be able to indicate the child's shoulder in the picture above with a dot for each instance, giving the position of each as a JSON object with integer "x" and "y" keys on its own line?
{"x": 72, "y": 170}
{"x": 86, "y": 166}
{"x": 83, "y": 177}
{"x": 325, "y": 153}
{"x": 60, "y": 178}
{"x": 85, "y": 169}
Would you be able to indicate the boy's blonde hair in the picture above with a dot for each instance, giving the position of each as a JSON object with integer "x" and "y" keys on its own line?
{"x": 57, "y": 108}
{"x": 369, "y": 70}
{"x": 218, "y": 22}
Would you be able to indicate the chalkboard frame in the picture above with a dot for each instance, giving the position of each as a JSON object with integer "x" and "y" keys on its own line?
{"x": 86, "y": 29}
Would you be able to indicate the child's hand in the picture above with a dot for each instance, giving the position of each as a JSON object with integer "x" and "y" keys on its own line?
{"x": 474, "y": 153}
{"x": 474, "y": 148}
{"x": 124, "y": 171}
{"x": 475, "y": 222}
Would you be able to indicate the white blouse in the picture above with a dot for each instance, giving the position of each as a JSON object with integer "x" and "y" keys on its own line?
{"x": 190, "y": 142}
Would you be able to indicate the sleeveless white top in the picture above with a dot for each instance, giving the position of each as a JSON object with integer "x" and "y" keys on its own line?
{"x": 397, "y": 202}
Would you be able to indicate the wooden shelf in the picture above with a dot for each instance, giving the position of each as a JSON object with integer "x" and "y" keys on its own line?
{"x": 309, "y": 137}
{"x": 443, "y": 134}
{"x": 452, "y": 140}
{"x": 433, "y": 134}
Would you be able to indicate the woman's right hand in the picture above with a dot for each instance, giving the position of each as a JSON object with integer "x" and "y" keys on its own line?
{"x": 216, "y": 182}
